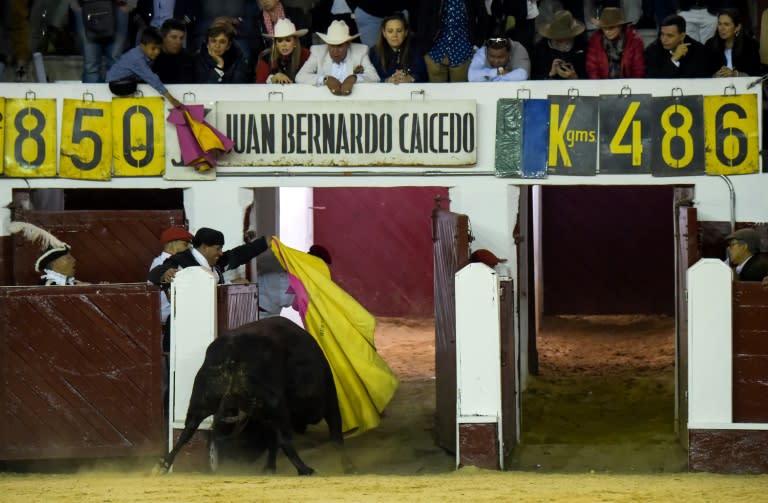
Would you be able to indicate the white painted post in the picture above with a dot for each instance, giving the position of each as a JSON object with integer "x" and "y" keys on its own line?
{"x": 193, "y": 328}
{"x": 478, "y": 356}
{"x": 710, "y": 354}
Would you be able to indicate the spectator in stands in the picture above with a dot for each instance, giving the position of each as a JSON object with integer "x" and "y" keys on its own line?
{"x": 500, "y": 60}
{"x": 446, "y": 28}
{"x": 506, "y": 18}
{"x": 134, "y": 67}
{"x": 175, "y": 64}
{"x": 737, "y": 52}
{"x": 280, "y": 63}
{"x": 327, "y": 11}
{"x": 700, "y": 18}
{"x": 56, "y": 263}
{"x": 271, "y": 12}
{"x": 220, "y": 60}
{"x": 561, "y": 52}
{"x": 369, "y": 15}
{"x": 394, "y": 56}
{"x": 654, "y": 11}
{"x": 338, "y": 64}
{"x": 98, "y": 52}
{"x": 676, "y": 55}
{"x": 615, "y": 50}
{"x": 155, "y": 12}
{"x": 745, "y": 257}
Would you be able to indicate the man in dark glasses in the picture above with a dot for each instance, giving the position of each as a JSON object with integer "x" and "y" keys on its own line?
{"x": 500, "y": 60}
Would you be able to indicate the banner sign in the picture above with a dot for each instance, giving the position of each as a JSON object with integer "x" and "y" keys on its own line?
{"x": 664, "y": 136}
{"x": 372, "y": 133}
{"x": 625, "y": 134}
{"x": 572, "y": 135}
{"x": 678, "y": 136}
{"x": 522, "y": 128}
{"x": 30, "y": 138}
{"x": 138, "y": 126}
{"x": 85, "y": 155}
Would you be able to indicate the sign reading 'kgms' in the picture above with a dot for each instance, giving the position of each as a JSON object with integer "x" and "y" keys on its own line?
{"x": 669, "y": 136}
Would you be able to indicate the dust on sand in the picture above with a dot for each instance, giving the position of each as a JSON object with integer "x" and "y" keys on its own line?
{"x": 399, "y": 462}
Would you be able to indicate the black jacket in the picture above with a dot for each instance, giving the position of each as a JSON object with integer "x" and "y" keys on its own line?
{"x": 698, "y": 62}
{"x": 755, "y": 269}
{"x": 745, "y": 53}
{"x": 175, "y": 68}
{"x": 231, "y": 259}
{"x": 236, "y": 70}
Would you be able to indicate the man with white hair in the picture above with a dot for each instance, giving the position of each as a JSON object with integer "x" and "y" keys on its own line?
{"x": 338, "y": 64}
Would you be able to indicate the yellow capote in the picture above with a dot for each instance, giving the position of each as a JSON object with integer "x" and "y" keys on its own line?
{"x": 344, "y": 330}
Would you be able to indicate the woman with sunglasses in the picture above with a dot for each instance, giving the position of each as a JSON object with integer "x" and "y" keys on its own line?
{"x": 395, "y": 58}
{"x": 280, "y": 63}
{"x": 500, "y": 60}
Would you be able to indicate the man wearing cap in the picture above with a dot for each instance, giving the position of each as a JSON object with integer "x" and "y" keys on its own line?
{"x": 561, "y": 52}
{"x": 207, "y": 252}
{"x": 745, "y": 257}
{"x": 174, "y": 240}
{"x": 338, "y": 64}
{"x": 615, "y": 50}
{"x": 488, "y": 258}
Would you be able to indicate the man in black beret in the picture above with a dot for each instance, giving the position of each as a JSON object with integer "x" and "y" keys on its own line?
{"x": 207, "y": 252}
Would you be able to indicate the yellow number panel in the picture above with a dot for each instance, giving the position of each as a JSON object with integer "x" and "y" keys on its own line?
{"x": 138, "y": 126}
{"x": 86, "y": 140}
{"x": 30, "y": 138}
{"x": 731, "y": 134}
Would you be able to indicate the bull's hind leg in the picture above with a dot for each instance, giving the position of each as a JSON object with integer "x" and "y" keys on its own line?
{"x": 333, "y": 420}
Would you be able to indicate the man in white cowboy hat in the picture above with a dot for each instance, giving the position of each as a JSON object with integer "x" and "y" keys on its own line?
{"x": 561, "y": 52}
{"x": 338, "y": 64}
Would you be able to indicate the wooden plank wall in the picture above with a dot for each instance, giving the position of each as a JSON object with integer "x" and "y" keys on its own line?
{"x": 80, "y": 372}
{"x": 114, "y": 246}
{"x": 750, "y": 352}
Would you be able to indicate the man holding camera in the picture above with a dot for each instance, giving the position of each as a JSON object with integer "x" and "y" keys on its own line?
{"x": 561, "y": 52}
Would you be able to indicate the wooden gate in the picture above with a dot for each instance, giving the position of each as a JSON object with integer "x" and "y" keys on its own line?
{"x": 687, "y": 255}
{"x": 114, "y": 246}
{"x": 81, "y": 372}
{"x": 450, "y": 237}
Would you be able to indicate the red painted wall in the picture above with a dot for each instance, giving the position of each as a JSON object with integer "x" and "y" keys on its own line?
{"x": 380, "y": 240}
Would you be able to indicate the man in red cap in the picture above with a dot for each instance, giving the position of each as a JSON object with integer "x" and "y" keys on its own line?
{"x": 174, "y": 240}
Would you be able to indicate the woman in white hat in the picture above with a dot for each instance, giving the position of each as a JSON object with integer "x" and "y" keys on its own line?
{"x": 338, "y": 64}
{"x": 615, "y": 50}
{"x": 280, "y": 63}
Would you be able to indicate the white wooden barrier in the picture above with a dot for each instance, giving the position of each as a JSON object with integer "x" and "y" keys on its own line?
{"x": 478, "y": 365}
{"x": 193, "y": 328}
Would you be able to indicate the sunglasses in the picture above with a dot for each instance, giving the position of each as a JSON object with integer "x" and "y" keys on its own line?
{"x": 498, "y": 43}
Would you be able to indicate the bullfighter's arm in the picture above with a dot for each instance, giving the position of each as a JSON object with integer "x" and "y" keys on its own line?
{"x": 242, "y": 254}
{"x": 157, "y": 273}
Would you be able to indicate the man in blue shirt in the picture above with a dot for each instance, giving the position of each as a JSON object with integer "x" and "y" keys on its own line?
{"x": 135, "y": 66}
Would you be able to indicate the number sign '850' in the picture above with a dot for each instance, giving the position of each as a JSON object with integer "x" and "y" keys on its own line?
{"x": 139, "y": 136}
{"x": 86, "y": 140}
{"x": 30, "y": 138}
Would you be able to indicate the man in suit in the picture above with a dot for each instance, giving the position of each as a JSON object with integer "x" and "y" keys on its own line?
{"x": 207, "y": 252}
{"x": 338, "y": 64}
{"x": 745, "y": 257}
{"x": 675, "y": 55}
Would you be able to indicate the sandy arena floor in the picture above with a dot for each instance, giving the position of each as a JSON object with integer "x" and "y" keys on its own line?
{"x": 622, "y": 449}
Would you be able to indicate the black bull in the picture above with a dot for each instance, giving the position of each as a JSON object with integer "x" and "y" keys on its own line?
{"x": 268, "y": 377}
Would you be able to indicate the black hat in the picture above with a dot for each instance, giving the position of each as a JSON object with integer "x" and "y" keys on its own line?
{"x": 321, "y": 252}
{"x": 208, "y": 236}
{"x": 52, "y": 247}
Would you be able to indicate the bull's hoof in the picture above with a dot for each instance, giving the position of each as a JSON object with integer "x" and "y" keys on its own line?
{"x": 306, "y": 471}
{"x": 161, "y": 468}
